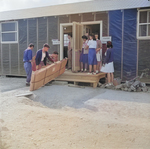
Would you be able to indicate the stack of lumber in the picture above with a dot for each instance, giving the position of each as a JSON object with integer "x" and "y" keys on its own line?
{"x": 43, "y": 76}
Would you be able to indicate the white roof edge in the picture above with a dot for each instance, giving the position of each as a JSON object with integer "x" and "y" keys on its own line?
{"x": 73, "y": 8}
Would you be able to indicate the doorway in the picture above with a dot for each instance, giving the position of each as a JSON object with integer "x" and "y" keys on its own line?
{"x": 77, "y": 30}
{"x": 66, "y": 30}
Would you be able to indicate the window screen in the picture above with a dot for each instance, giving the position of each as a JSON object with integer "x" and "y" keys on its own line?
{"x": 144, "y": 24}
{"x": 66, "y": 40}
{"x": 9, "y": 32}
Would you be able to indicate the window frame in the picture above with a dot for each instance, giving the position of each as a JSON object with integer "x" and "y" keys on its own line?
{"x": 6, "y": 42}
{"x": 138, "y": 24}
{"x": 65, "y": 40}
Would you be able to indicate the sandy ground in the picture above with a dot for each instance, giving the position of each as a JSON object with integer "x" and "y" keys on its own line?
{"x": 93, "y": 119}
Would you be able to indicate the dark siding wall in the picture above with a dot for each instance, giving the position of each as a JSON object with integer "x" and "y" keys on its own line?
{"x": 14, "y": 58}
{"x": 75, "y": 18}
{"x": 115, "y": 30}
{"x": 129, "y": 44}
{"x": 122, "y": 25}
{"x": 63, "y": 19}
{"x": 144, "y": 57}
{"x": 103, "y": 16}
{"x": 88, "y": 17}
{"x": 42, "y": 32}
{"x": 0, "y": 59}
{"x": 53, "y": 33}
{"x": 37, "y": 31}
{"x": 32, "y": 33}
{"x": 22, "y": 43}
{"x": 6, "y": 55}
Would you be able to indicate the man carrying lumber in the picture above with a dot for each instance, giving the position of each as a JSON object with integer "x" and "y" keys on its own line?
{"x": 27, "y": 59}
{"x": 41, "y": 56}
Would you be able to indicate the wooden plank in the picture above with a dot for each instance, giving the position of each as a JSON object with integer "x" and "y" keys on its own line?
{"x": 81, "y": 74}
{"x": 25, "y": 94}
{"x": 76, "y": 80}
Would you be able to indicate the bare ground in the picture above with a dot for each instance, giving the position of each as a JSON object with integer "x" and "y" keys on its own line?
{"x": 104, "y": 122}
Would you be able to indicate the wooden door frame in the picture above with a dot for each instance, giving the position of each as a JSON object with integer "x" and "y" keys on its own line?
{"x": 93, "y": 23}
{"x": 71, "y": 24}
{"x": 62, "y": 25}
{"x": 77, "y": 45}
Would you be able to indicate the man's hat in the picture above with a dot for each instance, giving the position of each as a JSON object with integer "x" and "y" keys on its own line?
{"x": 46, "y": 45}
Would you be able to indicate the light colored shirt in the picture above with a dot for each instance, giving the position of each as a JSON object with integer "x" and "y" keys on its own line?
{"x": 43, "y": 56}
{"x": 92, "y": 44}
{"x": 99, "y": 53}
{"x": 84, "y": 44}
{"x": 85, "y": 51}
{"x": 70, "y": 45}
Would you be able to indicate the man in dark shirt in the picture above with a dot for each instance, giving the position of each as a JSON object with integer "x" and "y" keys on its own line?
{"x": 41, "y": 56}
{"x": 27, "y": 59}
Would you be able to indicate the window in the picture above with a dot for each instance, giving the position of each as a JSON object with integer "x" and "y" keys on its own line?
{"x": 66, "y": 40}
{"x": 9, "y": 32}
{"x": 143, "y": 24}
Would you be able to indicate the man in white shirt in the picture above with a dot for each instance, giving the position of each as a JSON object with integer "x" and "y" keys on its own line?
{"x": 41, "y": 56}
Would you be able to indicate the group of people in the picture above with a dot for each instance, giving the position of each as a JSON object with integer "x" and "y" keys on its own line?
{"x": 40, "y": 59}
{"x": 91, "y": 57}
{"x": 91, "y": 54}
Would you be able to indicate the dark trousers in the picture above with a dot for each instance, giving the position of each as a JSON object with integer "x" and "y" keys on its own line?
{"x": 28, "y": 69}
{"x": 69, "y": 59}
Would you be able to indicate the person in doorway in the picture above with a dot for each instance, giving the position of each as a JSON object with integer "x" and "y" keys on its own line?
{"x": 27, "y": 59}
{"x": 92, "y": 61}
{"x": 108, "y": 66}
{"x": 54, "y": 56}
{"x": 70, "y": 47}
{"x": 41, "y": 57}
{"x": 98, "y": 54}
{"x": 84, "y": 55}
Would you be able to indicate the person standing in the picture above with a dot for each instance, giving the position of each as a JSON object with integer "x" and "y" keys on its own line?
{"x": 70, "y": 47}
{"x": 27, "y": 59}
{"x": 98, "y": 54}
{"x": 92, "y": 54}
{"x": 109, "y": 64}
{"x": 84, "y": 55}
{"x": 41, "y": 56}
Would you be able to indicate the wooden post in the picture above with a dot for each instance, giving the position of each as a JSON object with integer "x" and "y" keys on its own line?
{"x": 95, "y": 85}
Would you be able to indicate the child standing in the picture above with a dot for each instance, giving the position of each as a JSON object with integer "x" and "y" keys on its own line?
{"x": 84, "y": 55}
{"x": 92, "y": 54}
{"x": 109, "y": 64}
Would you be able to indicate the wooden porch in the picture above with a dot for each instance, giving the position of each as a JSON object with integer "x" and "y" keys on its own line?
{"x": 81, "y": 77}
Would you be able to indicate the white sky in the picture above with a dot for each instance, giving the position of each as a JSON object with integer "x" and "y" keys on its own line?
{"x": 6, "y": 5}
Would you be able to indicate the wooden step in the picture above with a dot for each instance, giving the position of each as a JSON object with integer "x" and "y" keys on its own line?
{"x": 81, "y": 77}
